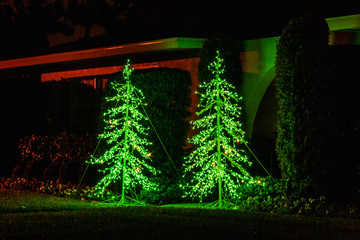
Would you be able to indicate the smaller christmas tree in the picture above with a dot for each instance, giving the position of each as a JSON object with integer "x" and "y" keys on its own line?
{"x": 217, "y": 160}
{"x": 125, "y": 160}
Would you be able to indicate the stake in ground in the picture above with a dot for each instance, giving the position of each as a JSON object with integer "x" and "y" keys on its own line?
{"x": 124, "y": 163}
{"x": 217, "y": 160}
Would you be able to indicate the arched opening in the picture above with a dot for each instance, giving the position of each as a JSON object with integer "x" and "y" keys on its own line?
{"x": 264, "y": 133}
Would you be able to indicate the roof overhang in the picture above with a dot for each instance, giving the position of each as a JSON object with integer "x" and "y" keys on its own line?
{"x": 344, "y": 23}
{"x": 97, "y": 56}
{"x": 156, "y": 46}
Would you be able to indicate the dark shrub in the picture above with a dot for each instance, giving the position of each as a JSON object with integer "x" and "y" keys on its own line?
{"x": 318, "y": 125}
{"x": 60, "y": 158}
{"x": 302, "y": 89}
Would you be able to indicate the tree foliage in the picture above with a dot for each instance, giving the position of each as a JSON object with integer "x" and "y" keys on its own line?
{"x": 107, "y": 14}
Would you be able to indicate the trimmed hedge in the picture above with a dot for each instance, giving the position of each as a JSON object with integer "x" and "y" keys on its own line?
{"x": 301, "y": 89}
{"x": 319, "y": 114}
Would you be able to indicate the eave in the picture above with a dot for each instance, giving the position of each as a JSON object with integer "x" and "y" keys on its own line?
{"x": 156, "y": 46}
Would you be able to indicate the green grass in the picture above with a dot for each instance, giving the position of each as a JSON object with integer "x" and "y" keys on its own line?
{"x": 17, "y": 201}
{"x": 27, "y": 215}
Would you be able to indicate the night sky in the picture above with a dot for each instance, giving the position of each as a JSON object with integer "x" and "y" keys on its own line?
{"x": 26, "y": 25}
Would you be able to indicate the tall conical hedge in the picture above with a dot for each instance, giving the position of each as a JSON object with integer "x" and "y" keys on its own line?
{"x": 301, "y": 66}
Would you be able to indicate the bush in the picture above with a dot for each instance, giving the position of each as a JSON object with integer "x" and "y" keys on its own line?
{"x": 59, "y": 158}
{"x": 167, "y": 95}
{"x": 50, "y": 187}
{"x": 272, "y": 195}
{"x": 318, "y": 124}
{"x": 302, "y": 89}
{"x": 261, "y": 187}
{"x": 169, "y": 192}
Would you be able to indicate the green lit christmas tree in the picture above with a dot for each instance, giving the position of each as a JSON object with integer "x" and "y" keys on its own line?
{"x": 217, "y": 160}
{"x": 124, "y": 163}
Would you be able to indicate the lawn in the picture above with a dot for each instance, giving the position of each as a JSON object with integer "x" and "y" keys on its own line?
{"x": 39, "y": 216}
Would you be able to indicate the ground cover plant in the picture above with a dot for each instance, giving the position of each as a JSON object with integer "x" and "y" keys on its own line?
{"x": 50, "y": 187}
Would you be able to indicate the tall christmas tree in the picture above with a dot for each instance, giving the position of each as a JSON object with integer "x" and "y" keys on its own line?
{"x": 217, "y": 160}
{"x": 124, "y": 163}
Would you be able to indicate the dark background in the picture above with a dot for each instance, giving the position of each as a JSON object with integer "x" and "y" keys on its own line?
{"x": 24, "y": 25}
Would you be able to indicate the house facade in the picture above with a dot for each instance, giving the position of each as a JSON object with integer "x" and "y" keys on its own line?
{"x": 94, "y": 66}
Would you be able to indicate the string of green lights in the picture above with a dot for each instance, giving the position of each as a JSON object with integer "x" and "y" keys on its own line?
{"x": 123, "y": 162}
{"x": 155, "y": 131}
{"x": 217, "y": 160}
{"x": 217, "y": 143}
